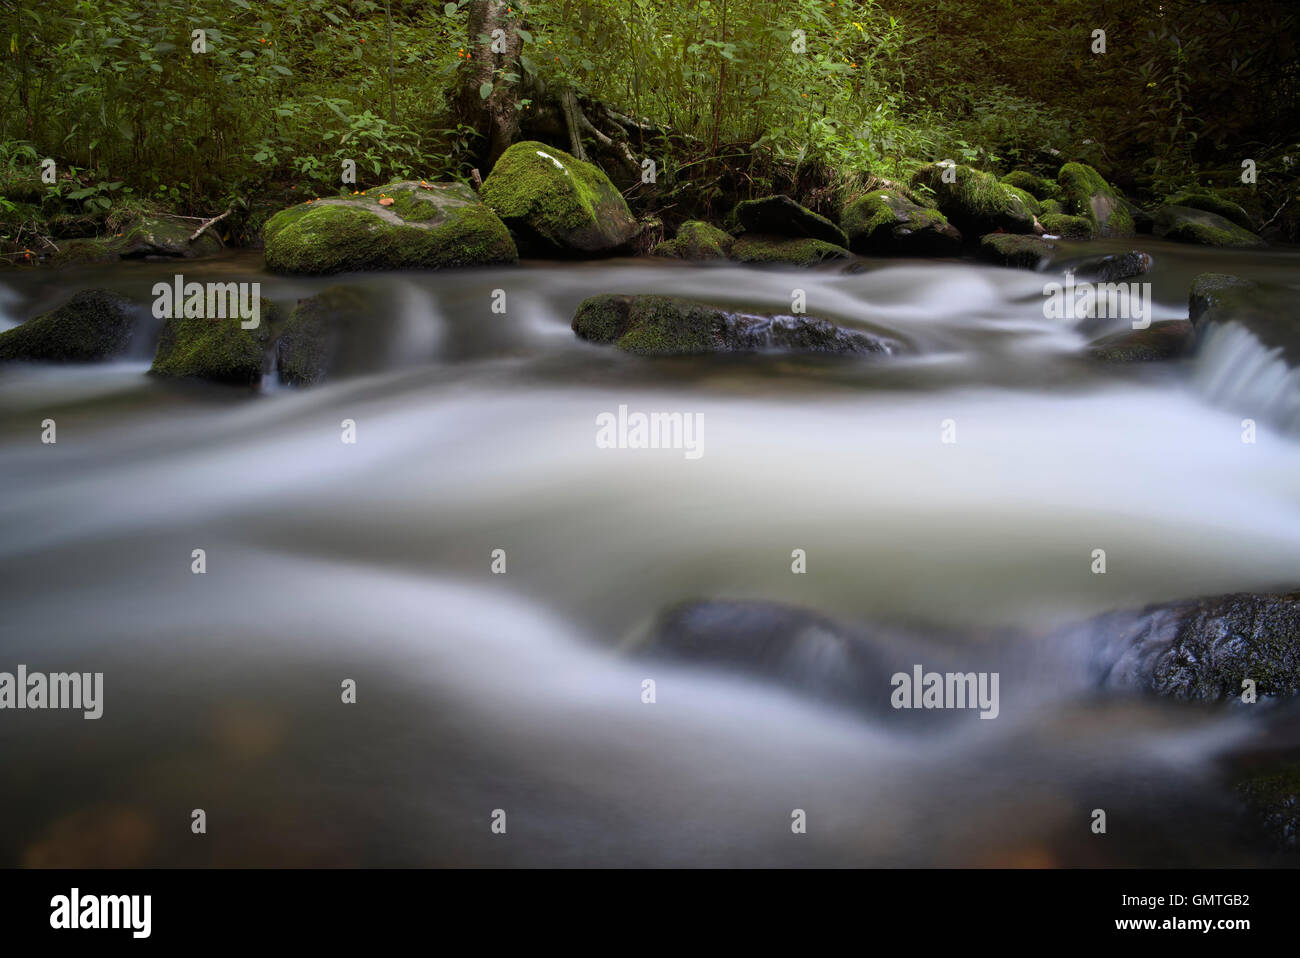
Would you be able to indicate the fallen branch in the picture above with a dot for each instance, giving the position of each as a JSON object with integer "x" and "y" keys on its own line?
{"x": 212, "y": 222}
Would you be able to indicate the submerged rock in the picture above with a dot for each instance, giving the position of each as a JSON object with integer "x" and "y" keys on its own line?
{"x": 1087, "y": 194}
{"x": 1269, "y": 315}
{"x": 1183, "y": 224}
{"x": 663, "y": 326}
{"x": 342, "y": 330}
{"x": 1167, "y": 339}
{"x": 885, "y": 223}
{"x": 218, "y": 350}
{"x": 1009, "y": 249}
{"x": 92, "y": 326}
{"x": 975, "y": 202}
{"x": 556, "y": 204}
{"x": 782, "y": 216}
{"x": 427, "y": 226}
{"x": 757, "y": 248}
{"x": 696, "y": 240}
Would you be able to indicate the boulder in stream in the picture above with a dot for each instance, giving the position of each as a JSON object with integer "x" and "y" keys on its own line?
{"x": 92, "y": 326}
{"x": 1087, "y": 194}
{"x": 1167, "y": 339}
{"x": 782, "y": 216}
{"x": 974, "y": 201}
{"x": 886, "y": 223}
{"x": 217, "y": 350}
{"x": 654, "y": 325}
{"x": 696, "y": 241}
{"x": 1185, "y": 224}
{"x": 1010, "y": 249}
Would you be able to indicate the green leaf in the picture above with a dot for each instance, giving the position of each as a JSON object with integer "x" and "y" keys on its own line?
{"x": 485, "y": 89}
{"x": 450, "y": 9}
{"x": 524, "y": 35}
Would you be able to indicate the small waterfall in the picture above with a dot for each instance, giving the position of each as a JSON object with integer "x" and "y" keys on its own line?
{"x": 1233, "y": 369}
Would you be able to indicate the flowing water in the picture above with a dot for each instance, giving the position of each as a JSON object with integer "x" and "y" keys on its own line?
{"x": 522, "y": 691}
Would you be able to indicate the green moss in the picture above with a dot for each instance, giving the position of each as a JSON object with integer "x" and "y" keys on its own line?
{"x": 1050, "y": 207}
{"x": 696, "y": 240}
{"x": 781, "y": 216}
{"x": 1087, "y": 194}
{"x": 975, "y": 201}
{"x": 219, "y": 350}
{"x": 308, "y": 346}
{"x": 1067, "y": 227}
{"x": 557, "y": 204}
{"x": 1009, "y": 249}
{"x": 1039, "y": 187}
{"x": 649, "y": 325}
{"x": 91, "y": 326}
{"x": 86, "y": 251}
{"x": 1199, "y": 200}
{"x": 1026, "y": 198}
{"x": 779, "y": 249}
{"x": 883, "y": 222}
{"x": 446, "y": 227}
{"x": 1183, "y": 224}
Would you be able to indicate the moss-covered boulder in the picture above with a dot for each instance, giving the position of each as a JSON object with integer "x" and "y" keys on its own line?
{"x": 219, "y": 350}
{"x": 696, "y": 240}
{"x": 1039, "y": 187}
{"x": 557, "y": 205}
{"x": 1183, "y": 224}
{"x": 92, "y": 326}
{"x": 1049, "y": 207}
{"x": 884, "y": 223}
{"x": 160, "y": 236}
{"x": 755, "y": 248}
{"x": 782, "y": 216}
{"x": 1167, "y": 339}
{"x": 1022, "y": 252}
{"x": 1066, "y": 226}
{"x": 974, "y": 201}
{"x": 85, "y": 251}
{"x": 1212, "y": 203}
{"x": 426, "y": 226}
{"x": 1027, "y": 199}
{"x": 664, "y": 326}
{"x": 341, "y": 331}
{"x": 1087, "y": 194}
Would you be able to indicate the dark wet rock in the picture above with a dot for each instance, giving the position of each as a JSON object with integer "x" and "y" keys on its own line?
{"x": 1087, "y": 194}
{"x": 1109, "y": 268}
{"x": 696, "y": 241}
{"x": 782, "y": 216}
{"x": 885, "y": 223}
{"x": 158, "y": 236}
{"x": 830, "y": 661}
{"x": 974, "y": 201}
{"x": 1201, "y": 649}
{"x": 1183, "y": 224}
{"x": 759, "y": 248}
{"x": 1167, "y": 339}
{"x": 1022, "y": 252}
{"x": 342, "y": 330}
{"x": 661, "y": 326}
{"x": 217, "y": 350}
{"x": 1272, "y": 795}
{"x": 92, "y": 326}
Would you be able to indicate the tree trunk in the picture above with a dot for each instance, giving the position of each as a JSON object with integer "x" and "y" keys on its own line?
{"x": 495, "y": 118}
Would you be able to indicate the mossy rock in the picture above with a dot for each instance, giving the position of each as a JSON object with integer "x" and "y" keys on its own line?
{"x": 1167, "y": 339}
{"x": 342, "y": 330}
{"x": 1028, "y": 199}
{"x": 1039, "y": 187}
{"x": 1212, "y": 204}
{"x": 92, "y": 326}
{"x": 1087, "y": 194}
{"x": 86, "y": 251}
{"x": 428, "y": 226}
{"x": 1183, "y": 224}
{"x": 218, "y": 350}
{"x": 1273, "y": 796}
{"x": 1049, "y": 208}
{"x": 782, "y": 216}
{"x": 885, "y": 223}
{"x": 974, "y": 201}
{"x": 1066, "y": 226}
{"x": 556, "y": 204}
{"x": 696, "y": 240}
{"x": 1021, "y": 252}
{"x": 159, "y": 236}
{"x": 652, "y": 325}
{"x": 751, "y": 248}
